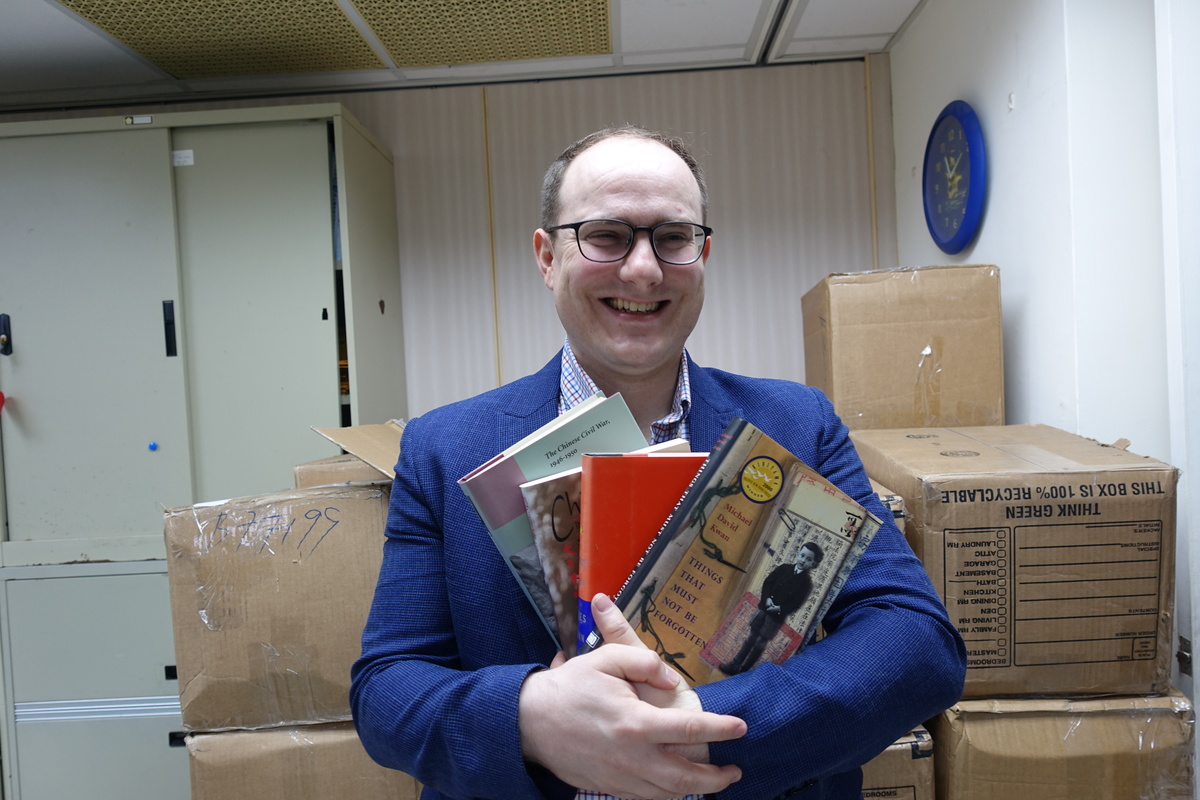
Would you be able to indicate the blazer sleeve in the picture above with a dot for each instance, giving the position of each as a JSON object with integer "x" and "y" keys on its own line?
{"x": 890, "y": 659}
{"x": 419, "y": 704}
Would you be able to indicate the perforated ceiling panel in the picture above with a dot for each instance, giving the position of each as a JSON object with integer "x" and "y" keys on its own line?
{"x": 223, "y": 38}
{"x": 428, "y": 33}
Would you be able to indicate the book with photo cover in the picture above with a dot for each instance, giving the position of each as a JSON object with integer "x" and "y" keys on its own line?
{"x": 811, "y": 542}
{"x": 734, "y": 518}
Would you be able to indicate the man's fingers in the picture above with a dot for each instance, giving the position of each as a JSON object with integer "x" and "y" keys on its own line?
{"x": 683, "y": 726}
{"x": 617, "y": 631}
{"x": 612, "y": 623}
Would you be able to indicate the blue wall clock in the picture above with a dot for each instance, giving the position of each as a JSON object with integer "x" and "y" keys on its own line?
{"x": 955, "y": 178}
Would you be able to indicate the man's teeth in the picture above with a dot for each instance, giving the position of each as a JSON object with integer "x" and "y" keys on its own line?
{"x": 635, "y": 308}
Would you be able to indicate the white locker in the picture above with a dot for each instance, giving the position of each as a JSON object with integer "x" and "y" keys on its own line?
{"x": 187, "y": 294}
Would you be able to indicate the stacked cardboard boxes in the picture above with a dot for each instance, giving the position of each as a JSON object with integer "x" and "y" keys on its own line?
{"x": 269, "y": 595}
{"x": 1054, "y": 554}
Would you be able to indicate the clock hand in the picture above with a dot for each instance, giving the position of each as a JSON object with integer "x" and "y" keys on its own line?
{"x": 949, "y": 169}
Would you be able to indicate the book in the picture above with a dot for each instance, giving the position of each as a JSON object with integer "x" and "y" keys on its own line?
{"x": 811, "y": 541}
{"x": 598, "y": 423}
{"x": 719, "y": 542}
{"x": 625, "y": 499}
{"x": 553, "y": 505}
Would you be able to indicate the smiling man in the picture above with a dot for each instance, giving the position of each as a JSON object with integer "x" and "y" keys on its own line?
{"x": 459, "y": 685}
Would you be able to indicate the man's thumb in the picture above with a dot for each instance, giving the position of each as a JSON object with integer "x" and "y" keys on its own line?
{"x": 611, "y": 623}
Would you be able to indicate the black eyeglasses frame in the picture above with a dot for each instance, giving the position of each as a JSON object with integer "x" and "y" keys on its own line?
{"x": 649, "y": 229}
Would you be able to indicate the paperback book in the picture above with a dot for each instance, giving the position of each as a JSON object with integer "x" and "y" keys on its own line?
{"x": 494, "y": 488}
{"x": 553, "y": 505}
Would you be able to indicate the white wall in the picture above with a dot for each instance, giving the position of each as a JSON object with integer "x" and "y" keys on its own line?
{"x": 1066, "y": 95}
{"x": 788, "y": 156}
{"x": 1090, "y": 118}
{"x": 1178, "y": 28}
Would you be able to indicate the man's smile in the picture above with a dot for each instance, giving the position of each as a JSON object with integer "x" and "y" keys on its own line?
{"x": 632, "y": 307}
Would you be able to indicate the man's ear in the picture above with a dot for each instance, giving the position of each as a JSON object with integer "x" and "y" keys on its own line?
{"x": 543, "y": 251}
{"x": 707, "y": 248}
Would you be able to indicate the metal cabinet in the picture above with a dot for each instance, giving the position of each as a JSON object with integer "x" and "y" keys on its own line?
{"x": 183, "y": 296}
{"x": 186, "y": 294}
{"x": 88, "y": 658}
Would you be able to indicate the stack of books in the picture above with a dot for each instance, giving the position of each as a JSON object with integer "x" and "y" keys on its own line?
{"x": 719, "y": 560}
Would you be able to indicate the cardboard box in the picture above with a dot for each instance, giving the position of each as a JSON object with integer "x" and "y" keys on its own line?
{"x": 335, "y": 470}
{"x": 269, "y": 596}
{"x": 378, "y": 445}
{"x": 902, "y": 772}
{"x": 308, "y": 762}
{"x": 371, "y": 455}
{"x": 1054, "y": 554}
{"x": 1113, "y": 748}
{"x": 891, "y": 502}
{"x": 908, "y": 347}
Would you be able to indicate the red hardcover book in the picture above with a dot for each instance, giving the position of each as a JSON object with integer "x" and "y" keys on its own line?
{"x": 624, "y": 499}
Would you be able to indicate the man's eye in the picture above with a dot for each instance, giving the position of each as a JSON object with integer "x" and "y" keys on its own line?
{"x": 605, "y": 238}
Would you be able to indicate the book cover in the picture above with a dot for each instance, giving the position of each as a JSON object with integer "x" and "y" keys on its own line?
{"x": 494, "y": 488}
{"x": 625, "y": 499}
{"x": 753, "y": 508}
{"x": 686, "y": 575}
{"x": 813, "y": 537}
{"x": 553, "y": 507}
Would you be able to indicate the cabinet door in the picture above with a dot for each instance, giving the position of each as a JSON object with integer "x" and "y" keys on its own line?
{"x": 260, "y": 307}
{"x": 86, "y": 637}
{"x": 114, "y": 758}
{"x": 370, "y": 263}
{"x": 94, "y": 430}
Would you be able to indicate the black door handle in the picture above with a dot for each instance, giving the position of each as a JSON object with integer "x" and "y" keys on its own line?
{"x": 5, "y": 335}
{"x": 169, "y": 327}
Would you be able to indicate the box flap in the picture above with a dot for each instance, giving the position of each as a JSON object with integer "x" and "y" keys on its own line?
{"x": 378, "y": 445}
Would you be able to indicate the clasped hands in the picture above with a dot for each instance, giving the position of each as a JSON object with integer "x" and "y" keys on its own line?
{"x": 618, "y": 720}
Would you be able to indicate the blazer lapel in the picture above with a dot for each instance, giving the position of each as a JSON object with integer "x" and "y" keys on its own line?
{"x": 712, "y": 408}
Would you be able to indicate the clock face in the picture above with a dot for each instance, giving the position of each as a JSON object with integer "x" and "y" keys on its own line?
{"x": 954, "y": 177}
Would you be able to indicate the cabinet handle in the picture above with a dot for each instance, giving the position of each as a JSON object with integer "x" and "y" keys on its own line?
{"x": 5, "y": 335}
{"x": 169, "y": 327}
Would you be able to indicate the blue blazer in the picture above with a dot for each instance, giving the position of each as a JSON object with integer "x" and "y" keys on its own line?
{"x": 450, "y": 636}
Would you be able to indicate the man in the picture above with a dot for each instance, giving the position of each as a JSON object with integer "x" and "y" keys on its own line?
{"x": 453, "y": 685}
{"x": 783, "y": 591}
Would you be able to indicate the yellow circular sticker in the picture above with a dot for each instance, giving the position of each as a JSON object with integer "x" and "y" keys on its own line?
{"x": 762, "y": 478}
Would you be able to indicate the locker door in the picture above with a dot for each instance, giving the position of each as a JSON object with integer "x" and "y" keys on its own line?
{"x": 94, "y": 431}
{"x": 256, "y": 246}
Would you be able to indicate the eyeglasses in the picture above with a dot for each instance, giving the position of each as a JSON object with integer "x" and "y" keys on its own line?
{"x": 607, "y": 240}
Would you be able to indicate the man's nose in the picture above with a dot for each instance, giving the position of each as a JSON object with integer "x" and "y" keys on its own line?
{"x": 642, "y": 262}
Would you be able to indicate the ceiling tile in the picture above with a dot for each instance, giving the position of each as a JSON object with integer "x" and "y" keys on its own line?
{"x": 664, "y": 25}
{"x": 426, "y": 33}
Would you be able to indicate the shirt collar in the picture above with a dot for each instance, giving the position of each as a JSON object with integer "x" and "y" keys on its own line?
{"x": 575, "y": 386}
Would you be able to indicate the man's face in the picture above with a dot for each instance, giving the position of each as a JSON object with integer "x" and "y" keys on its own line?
{"x": 629, "y": 319}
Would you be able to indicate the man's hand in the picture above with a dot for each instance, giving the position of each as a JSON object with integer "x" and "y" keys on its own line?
{"x": 585, "y": 722}
{"x": 616, "y": 630}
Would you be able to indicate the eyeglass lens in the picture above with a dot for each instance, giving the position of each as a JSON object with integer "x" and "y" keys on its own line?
{"x": 611, "y": 240}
